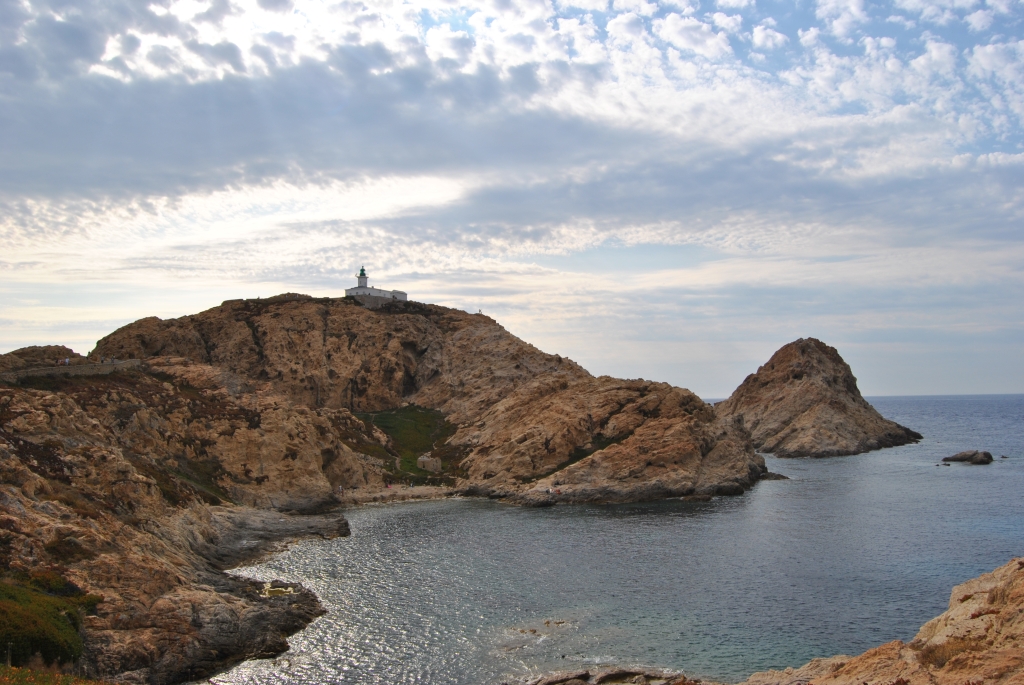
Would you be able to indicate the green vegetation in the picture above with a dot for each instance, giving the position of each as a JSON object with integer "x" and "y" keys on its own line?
{"x": 42, "y": 613}
{"x": 414, "y": 431}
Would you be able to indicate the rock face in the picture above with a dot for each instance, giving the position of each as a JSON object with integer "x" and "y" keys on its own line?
{"x": 805, "y": 403}
{"x": 533, "y": 427}
{"x": 971, "y": 457}
{"x": 977, "y": 640}
{"x": 140, "y": 488}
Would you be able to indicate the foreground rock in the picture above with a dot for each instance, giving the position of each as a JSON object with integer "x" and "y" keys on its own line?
{"x": 533, "y": 428}
{"x": 977, "y": 640}
{"x": 611, "y": 676}
{"x": 133, "y": 491}
{"x": 971, "y": 457}
{"x": 805, "y": 403}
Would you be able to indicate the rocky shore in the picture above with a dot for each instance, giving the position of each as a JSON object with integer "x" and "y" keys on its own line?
{"x": 979, "y": 639}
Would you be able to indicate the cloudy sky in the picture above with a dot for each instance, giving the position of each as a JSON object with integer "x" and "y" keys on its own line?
{"x": 662, "y": 190}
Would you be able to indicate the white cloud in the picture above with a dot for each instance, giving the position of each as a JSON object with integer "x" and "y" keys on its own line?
{"x": 980, "y": 20}
{"x": 641, "y": 7}
{"x": 768, "y": 38}
{"x": 734, "y": 4}
{"x": 841, "y": 16}
{"x": 593, "y": 5}
{"x": 730, "y": 23}
{"x": 691, "y": 34}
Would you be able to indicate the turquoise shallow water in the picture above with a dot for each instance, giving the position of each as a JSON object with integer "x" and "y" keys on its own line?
{"x": 849, "y": 553}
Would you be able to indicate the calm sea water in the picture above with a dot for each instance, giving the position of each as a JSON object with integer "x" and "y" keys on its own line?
{"x": 849, "y": 553}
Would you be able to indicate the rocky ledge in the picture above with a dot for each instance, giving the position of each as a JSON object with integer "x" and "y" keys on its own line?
{"x": 977, "y": 640}
{"x": 805, "y": 403}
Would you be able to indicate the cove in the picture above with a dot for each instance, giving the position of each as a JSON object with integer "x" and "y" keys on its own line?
{"x": 849, "y": 553}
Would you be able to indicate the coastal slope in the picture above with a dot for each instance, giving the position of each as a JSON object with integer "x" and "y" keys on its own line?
{"x": 128, "y": 494}
{"x": 532, "y": 427}
{"x": 804, "y": 402}
{"x": 977, "y": 640}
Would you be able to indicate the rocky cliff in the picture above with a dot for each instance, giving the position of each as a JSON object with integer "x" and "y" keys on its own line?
{"x": 805, "y": 403}
{"x": 127, "y": 494}
{"x": 532, "y": 427}
{"x": 977, "y": 640}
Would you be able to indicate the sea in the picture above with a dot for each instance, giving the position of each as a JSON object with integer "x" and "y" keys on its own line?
{"x": 849, "y": 553}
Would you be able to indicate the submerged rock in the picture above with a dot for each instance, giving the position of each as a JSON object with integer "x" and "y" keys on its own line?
{"x": 971, "y": 457}
{"x": 805, "y": 403}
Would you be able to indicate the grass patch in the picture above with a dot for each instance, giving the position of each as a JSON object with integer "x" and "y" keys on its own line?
{"x": 25, "y": 676}
{"x": 414, "y": 431}
{"x": 938, "y": 655}
{"x": 43, "y": 616}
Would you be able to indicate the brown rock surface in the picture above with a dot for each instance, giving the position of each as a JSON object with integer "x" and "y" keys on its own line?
{"x": 526, "y": 419}
{"x": 979, "y": 639}
{"x": 805, "y": 403}
{"x": 971, "y": 457}
{"x": 139, "y": 487}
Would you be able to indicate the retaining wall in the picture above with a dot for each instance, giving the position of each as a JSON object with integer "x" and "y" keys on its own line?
{"x": 76, "y": 370}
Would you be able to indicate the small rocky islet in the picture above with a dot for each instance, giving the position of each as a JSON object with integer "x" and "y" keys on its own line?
{"x": 125, "y": 495}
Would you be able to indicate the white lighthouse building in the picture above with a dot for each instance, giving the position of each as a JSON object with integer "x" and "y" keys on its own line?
{"x": 372, "y": 297}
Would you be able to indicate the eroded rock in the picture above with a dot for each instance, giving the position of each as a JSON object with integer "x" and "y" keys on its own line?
{"x": 805, "y": 403}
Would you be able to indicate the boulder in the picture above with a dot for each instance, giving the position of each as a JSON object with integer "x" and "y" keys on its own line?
{"x": 805, "y": 403}
{"x": 971, "y": 457}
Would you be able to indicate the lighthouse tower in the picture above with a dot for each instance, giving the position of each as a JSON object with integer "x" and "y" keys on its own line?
{"x": 372, "y": 297}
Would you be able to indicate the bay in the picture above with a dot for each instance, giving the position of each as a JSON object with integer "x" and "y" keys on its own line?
{"x": 851, "y": 552}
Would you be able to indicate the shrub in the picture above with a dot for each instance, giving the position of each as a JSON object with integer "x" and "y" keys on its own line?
{"x": 938, "y": 655}
{"x": 32, "y": 621}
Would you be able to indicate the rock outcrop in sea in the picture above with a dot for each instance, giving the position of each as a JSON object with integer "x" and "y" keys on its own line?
{"x": 805, "y": 403}
{"x": 971, "y": 457}
{"x": 533, "y": 428}
{"x": 977, "y": 640}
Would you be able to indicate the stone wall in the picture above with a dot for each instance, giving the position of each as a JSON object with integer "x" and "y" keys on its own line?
{"x": 76, "y": 370}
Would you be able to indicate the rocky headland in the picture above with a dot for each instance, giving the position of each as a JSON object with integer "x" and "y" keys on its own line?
{"x": 529, "y": 427}
{"x": 804, "y": 402}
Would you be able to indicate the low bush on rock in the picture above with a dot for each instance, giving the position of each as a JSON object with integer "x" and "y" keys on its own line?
{"x": 42, "y": 614}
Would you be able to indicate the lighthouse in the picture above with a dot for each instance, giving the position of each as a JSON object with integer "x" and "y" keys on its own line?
{"x": 372, "y": 297}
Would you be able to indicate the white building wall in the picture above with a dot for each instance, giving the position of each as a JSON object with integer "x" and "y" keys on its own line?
{"x": 377, "y": 292}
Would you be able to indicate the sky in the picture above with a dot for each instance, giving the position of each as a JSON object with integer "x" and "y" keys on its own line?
{"x": 665, "y": 190}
